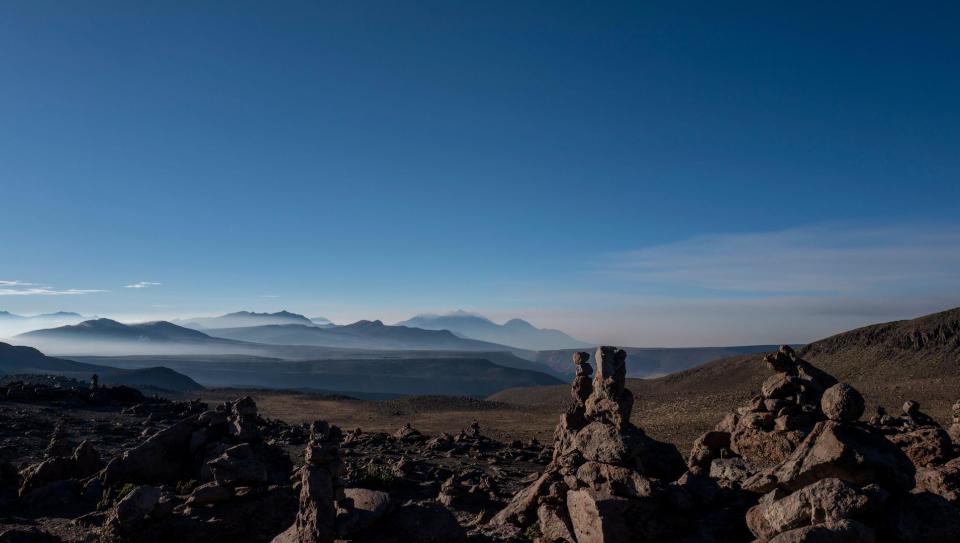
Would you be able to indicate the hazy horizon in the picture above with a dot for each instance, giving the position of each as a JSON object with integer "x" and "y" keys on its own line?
{"x": 8, "y": 330}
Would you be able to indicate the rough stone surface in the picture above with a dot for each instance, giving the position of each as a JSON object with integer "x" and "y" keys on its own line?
{"x": 941, "y": 480}
{"x": 856, "y": 454}
{"x": 926, "y": 447}
{"x": 842, "y": 403}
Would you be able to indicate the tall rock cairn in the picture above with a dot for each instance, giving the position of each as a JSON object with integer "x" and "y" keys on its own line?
{"x": 955, "y": 427}
{"x": 607, "y": 480}
{"x": 320, "y": 488}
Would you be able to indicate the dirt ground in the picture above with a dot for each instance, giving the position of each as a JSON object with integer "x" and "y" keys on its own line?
{"x": 665, "y": 414}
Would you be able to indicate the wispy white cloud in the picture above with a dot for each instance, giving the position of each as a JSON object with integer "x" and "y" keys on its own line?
{"x": 142, "y": 284}
{"x": 837, "y": 259}
{"x": 16, "y": 283}
{"x": 21, "y": 290}
{"x": 269, "y": 296}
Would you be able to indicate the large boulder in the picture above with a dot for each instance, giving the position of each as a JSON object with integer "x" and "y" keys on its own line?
{"x": 597, "y": 517}
{"x": 826, "y": 500}
{"x": 924, "y": 518}
{"x": 361, "y": 509}
{"x": 842, "y": 403}
{"x": 942, "y": 480}
{"x": 163, "y": 458}
{"x": 925, "y": 446}
{"x": 854, "y": 453}
{"x": 55, "y": 468}
{"x": 127, "y": 518}
{"x": 839, "y": 531}
{"x": 238, "y": 465}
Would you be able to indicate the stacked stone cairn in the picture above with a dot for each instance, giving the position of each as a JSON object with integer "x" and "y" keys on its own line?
{"x": 846, "y": 482}
{"x": 770, "y": 428}
{"x": 328, "y": 511}
{"x": 955, "y": 427}
{"x": 320, "y": 488}
{"x": 607, "y": 481}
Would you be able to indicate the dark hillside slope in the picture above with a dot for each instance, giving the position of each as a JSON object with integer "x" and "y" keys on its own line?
{"x": 27, "y": 360}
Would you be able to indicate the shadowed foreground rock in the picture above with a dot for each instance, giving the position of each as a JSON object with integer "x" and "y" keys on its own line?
{"x": 848, "y": 481}
{"x": 797, "y": 464}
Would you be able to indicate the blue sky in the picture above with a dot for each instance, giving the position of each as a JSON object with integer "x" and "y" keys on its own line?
{"x": 633, "y": 173}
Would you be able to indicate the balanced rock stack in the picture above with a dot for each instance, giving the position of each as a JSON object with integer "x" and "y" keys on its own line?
{"x": 767, "y": 430}
{"x": 59, "y": 444}
{"x": 320, "y": 488}
{"x": 846, "y": 482}
{"x": 607, "y": 481}
{"x": 955, "y": 427}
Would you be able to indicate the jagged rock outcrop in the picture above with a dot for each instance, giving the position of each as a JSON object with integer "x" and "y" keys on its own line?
{"x": 199, "y": 446}
{"x": 83, "y": 462}
{"x": 237, "y": 485}
{"x": 607, "y": 481}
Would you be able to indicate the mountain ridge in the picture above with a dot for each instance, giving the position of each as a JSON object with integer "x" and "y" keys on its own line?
{"x": 361, "y": 334}
{"x": 514, "y": 333}
{"x": 239, "y": 319}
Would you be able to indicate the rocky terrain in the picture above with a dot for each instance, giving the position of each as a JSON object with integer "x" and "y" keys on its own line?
{"x": 800, "y": 461}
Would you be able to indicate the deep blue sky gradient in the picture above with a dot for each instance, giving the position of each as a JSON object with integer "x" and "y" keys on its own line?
{"x": 355, "y": 157}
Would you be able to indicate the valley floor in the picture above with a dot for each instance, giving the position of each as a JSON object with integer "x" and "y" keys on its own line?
{"x": 662, "y": 410}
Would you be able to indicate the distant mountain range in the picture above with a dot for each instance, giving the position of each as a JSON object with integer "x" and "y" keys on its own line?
{"x": 515, "y": 333}
{"x": 366, "y": 356}
{"x": 361, "y": 334}
{"x": 109, "y": 337}
{"x": 57, "y": 315}
{"x": 27, "y": 360}
{"x": 12, "y": 324}
{"x": 106, "y": 336}
{"x": 111, "y": 330}
{"x": 242, "y": 319}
